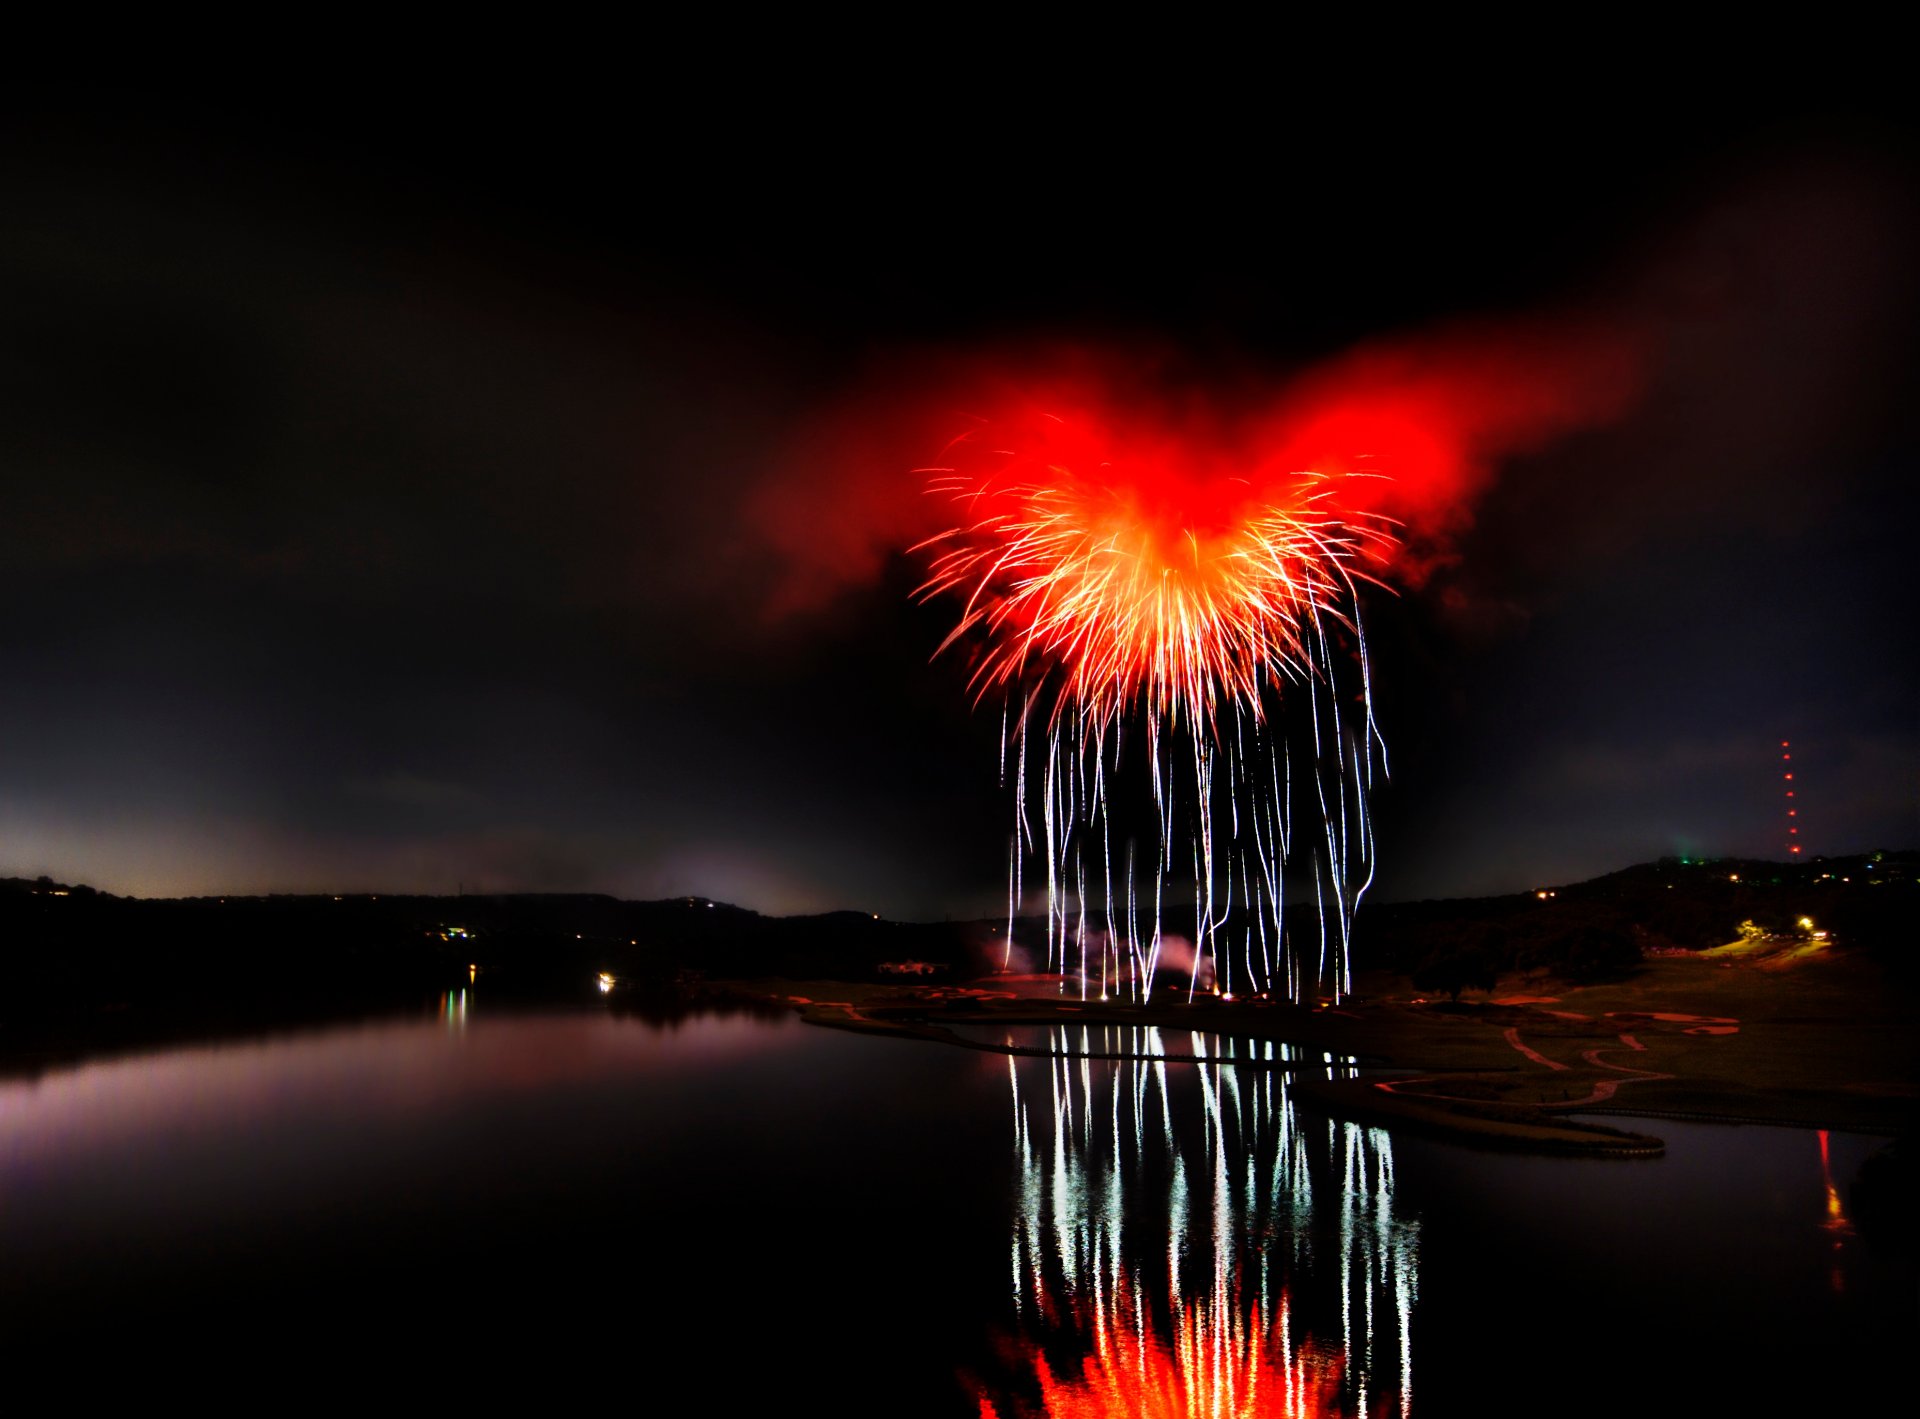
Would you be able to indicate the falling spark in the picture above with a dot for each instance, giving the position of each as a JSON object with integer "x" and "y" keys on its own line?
{"x": 1176, "y": 634}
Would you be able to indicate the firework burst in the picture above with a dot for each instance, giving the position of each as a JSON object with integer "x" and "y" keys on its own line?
{"x": 1176, "y": 635}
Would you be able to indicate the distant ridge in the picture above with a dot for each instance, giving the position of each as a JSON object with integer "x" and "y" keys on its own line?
{"x": 1891, "y": 865}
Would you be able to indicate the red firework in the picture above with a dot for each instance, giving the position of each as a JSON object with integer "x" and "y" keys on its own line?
{"x": 1188, "y": 573}
{"x": 1140, "y": 573}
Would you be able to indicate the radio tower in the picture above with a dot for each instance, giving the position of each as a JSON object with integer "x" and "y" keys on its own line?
{"x": 1793, "y": 813}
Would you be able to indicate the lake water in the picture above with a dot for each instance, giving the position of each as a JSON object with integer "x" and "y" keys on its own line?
{"x": 736, "y": 1215}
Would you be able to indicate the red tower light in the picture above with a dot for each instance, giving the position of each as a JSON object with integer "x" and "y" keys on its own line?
{"x": 1786, "y": 778}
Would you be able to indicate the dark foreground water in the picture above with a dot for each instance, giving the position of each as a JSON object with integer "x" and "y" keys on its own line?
{"x": 742, "y": 1216}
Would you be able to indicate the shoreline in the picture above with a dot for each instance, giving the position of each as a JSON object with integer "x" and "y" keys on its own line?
{"x": 1826, "y": 1043}
{"x": 1822, "y": 1046}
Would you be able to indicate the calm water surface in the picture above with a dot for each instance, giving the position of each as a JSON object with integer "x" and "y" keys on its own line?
{"x": 736, "y": 1215}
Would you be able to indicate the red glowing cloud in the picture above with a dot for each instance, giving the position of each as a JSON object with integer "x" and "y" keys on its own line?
{"x": 1410, "y": 430}
{"x": 1432, "y": 418}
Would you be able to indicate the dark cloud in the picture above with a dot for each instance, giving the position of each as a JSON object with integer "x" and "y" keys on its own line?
{"x": 399, "y": 499}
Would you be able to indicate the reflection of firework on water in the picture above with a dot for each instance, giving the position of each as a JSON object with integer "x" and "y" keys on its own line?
{"x": 1144, "y": 613}
{"x": 1170, "y": 1248}
{"x": 1250, "y": 1369}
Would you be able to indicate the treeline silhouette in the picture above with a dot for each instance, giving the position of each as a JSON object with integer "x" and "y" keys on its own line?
{"x": 82, "y": 970}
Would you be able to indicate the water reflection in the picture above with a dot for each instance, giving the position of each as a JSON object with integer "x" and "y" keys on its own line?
{"x": 1837, "y": 1225}
{"x": 1186, "y": 1243}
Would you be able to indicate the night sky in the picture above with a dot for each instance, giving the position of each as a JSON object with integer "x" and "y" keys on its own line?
{"x": 476, "y": 488}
